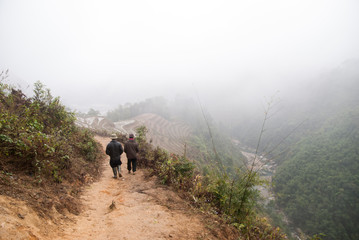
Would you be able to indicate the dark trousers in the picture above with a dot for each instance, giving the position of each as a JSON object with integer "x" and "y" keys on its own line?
{"x": 115, "y": 169}
{"x": 133, "y": 162}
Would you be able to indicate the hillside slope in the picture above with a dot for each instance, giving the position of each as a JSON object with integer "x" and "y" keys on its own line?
{"x": 169, "y": 135}
{"x": 317, "y": 182}
{"x": 45, "y": 160}
{"x": 318, "y": 186}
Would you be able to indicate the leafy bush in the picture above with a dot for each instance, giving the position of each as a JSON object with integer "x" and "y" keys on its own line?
{"x": 38, "y": 135}
{"x": 231, "y": 196}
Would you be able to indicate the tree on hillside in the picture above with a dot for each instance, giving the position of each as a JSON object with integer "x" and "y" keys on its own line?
{"x": 157, "y": 105}
{"x": 93, "y": 113}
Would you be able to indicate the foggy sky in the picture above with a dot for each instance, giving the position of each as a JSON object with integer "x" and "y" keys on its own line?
{"x": 98, "y": 54}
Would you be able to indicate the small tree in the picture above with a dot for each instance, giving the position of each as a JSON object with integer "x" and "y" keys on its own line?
{"x": 93, "y": 113}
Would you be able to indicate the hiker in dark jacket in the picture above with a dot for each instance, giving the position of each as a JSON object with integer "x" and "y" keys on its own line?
{"x": 114, "y": 150}
{"x": 131, "y": 150}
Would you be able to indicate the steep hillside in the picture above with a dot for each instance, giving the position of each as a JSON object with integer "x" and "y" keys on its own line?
{"x": 317, "y": 181}
{"x": 45, "y": 159}
{"x": 318, "y": 186}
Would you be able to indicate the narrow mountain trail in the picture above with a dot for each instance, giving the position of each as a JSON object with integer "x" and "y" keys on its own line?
{"x": 133, "y": 207}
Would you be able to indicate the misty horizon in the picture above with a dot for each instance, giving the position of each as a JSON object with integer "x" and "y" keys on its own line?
{"x": 101, "y": 54}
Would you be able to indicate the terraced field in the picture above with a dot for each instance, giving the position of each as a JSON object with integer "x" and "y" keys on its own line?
{"x": 170, "y": 135}
{"x": 95, "y": 123}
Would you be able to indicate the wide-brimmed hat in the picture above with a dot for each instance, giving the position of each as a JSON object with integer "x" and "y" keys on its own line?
{"x": 113, "y": 136}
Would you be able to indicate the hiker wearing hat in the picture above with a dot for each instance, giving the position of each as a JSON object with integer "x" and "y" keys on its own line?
{"x": 131, "y": 150}
{"x": 114, "y": 150}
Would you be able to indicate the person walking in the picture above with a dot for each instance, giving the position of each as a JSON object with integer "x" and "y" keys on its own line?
{"x": 131, "y": 150}
{"x": 114, "y": 150}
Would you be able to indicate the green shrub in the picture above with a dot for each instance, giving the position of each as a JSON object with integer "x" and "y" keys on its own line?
{"x": 234, "y": 196}
{"x": 39, "y": 135}
{"x": 176, "y": 171}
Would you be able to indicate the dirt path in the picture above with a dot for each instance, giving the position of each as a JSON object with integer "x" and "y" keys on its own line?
{"x": 142, "y": 210}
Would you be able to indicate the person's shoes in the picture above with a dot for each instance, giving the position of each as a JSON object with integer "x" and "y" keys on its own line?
{"x": 119, "y": 175}
{"x": 133, "y": 173}
{"x": 114, "y": 177}
{"x": 129, "y": 171}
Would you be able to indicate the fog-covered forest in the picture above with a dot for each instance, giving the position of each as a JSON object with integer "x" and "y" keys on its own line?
{"x": 317, "y": 182}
